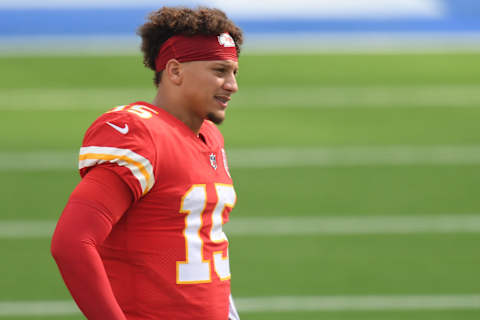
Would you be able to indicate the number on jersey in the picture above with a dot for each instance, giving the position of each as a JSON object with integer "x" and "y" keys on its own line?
{"x": 196, "y": 269}
{"x": 142, "y": 111}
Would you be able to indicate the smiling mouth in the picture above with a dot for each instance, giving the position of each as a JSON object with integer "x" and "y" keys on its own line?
{"x": 223, "y": 100}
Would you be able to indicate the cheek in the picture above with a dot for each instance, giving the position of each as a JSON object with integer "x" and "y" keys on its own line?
{"x": 204, "y": 89}
{"x": 198, "y": 95}
{"x": 201, "y": 89}
{"x": 193, "y": 88}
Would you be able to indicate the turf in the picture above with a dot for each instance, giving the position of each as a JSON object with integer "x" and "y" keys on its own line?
{"x": 366, "y": 315}
{"x": 47, "y": 129}
{"x": 255, "y": 70}
{"x": 362, "y": 315}
{"x": 345, "y": 191}
{"x": 295, "y": 266}
{"x": 355, "y": 265}
{"x": 46, "y": 103}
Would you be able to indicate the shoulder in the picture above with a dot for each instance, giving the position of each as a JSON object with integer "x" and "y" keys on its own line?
{"x": 126, "y": 119}
{"x": 122, "y": 140}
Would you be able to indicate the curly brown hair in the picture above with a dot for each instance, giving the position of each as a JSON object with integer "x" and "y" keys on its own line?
{"x": 169, "y": 21}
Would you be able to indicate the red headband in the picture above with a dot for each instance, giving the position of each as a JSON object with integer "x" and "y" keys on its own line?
{"x": 196, "y": 48}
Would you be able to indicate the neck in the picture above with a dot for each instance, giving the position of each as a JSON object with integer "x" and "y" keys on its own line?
{"x": 178, "y": 110}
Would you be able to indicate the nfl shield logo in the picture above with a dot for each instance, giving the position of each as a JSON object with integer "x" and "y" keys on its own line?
{"x": 213, "y": 161}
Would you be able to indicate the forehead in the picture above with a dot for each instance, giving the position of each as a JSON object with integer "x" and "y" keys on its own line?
{"x": 213, "y": 63}
{"x": 229, "y": 63}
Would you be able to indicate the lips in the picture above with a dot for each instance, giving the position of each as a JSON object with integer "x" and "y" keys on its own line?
{"x": 223, "y": 100}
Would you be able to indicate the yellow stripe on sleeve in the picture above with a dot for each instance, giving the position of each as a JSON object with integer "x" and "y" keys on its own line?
{"x": 139, "y": 166}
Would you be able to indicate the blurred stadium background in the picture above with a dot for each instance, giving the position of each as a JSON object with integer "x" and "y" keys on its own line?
{"x": 353, "y": 142}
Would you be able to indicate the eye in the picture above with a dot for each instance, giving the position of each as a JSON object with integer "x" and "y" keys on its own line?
{"x": 219, "y": 70}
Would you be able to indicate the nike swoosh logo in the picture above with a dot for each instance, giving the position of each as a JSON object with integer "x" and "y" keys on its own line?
{"x": 123, "y": 130}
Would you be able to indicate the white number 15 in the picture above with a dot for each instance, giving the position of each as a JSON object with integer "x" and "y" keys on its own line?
{"x": 196, "y": 269}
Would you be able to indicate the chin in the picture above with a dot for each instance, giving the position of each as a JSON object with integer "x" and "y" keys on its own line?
{"x": 215, "y": 118}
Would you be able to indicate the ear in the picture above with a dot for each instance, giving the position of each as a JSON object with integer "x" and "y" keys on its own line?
{"x": 174, "y": 71}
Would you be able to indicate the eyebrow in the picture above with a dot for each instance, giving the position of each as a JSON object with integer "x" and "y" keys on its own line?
{"x": 226, "y": 65}
{"x": 223, "y": 63}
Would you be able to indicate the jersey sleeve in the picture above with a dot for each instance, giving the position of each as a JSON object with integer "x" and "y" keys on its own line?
{"x": 122, "y": 142}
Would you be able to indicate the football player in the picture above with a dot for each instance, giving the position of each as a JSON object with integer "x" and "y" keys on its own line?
{"x": 141, "y": 235}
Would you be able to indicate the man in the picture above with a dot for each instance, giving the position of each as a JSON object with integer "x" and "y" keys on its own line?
{"x": 141, "y": 235}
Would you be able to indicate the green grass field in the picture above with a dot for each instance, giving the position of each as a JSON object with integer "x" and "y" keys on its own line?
{"x": 320, "y": 103}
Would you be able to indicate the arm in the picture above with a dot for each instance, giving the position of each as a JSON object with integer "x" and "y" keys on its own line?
{"x": 95, "y": 205}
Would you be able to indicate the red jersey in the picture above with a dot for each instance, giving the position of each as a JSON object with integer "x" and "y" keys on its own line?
{"x": 167, "y": 256}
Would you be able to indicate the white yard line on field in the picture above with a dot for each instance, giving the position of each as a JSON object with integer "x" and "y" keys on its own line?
{"x": 301, "y": 226}
{"x": 281, "y": 303}
{"x": 38, "y": 308}
{"x": 252, "y": 97}
{"x": 281, "y": 157}
{"x": 358, "y": 303}
{"x": 358, "y": 97}
{"x": 354, "y": 156}
{"x": 38, "y": 160}
{"x": 26, "y": 229}
{"x": 298, "y": 226}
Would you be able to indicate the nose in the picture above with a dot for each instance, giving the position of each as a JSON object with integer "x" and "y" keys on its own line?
{"x": 231, "y": 84}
